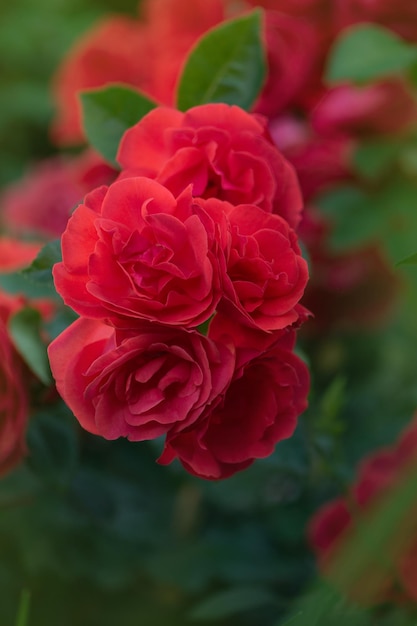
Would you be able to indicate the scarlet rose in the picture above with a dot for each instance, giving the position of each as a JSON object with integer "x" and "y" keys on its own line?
{"x": 259, "y": 409}
{"x": 13, "y": 404}
{"x": 266, "y": 274}
{"x": 222, "y": 150}
{"x": 134, "y": 251}
{"x": 139, "y": 383}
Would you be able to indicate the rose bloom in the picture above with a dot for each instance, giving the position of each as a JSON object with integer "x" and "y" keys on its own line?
{"x": 379, "y": 475}
{"x": 41, "y": 202}
{"x": 265, "y": 272}
{"x": 138, "y": 383}
{"x": 222, "y": 150}
{"x": 260, "y": 408}
{"x": 13, "y": 404}
{"x": 133, "y": 251}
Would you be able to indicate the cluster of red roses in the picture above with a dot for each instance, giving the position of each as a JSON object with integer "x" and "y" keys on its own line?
{"x": 380, "y": 475}
{"x": 315, "y": 127}
{"x": 197, "y": 231}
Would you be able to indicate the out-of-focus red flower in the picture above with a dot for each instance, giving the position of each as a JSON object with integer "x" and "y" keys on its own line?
{"x": 116, "y": 49}
{"x": 42, "y": 201}
{"x": 383, "y": 108}
{"x": 394, "y": 577}
{"x": 320, "y": 161}
{"x": 14, "y": 408}
{"x": 223, "y": 151}
{"x": 397, "y": 15}
{"x": 293, "y": 47}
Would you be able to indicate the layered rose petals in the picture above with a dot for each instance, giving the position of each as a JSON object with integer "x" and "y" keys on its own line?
{"x": 265, "y": 270}
{"x": 139, "y": 383}
{"x": 196, "y": 237}
{"x": 133, "y": 251}
{"x": 221, "y": 150}
{"x": 259, "y": 409}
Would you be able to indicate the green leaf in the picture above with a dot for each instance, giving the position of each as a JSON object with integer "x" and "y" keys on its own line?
{"x": 25, "y": 328}
{"x": 366, "y": 52}
{"x": 410, "y": 260}
{"x": 227, "y": 603}
{"x": 108, "y": 112}
{"x": 23, "y": 610}
{"x": 40, "y": 270}
{"x": 227, "y": 65}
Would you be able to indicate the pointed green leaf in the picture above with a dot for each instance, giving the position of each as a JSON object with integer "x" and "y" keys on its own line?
{"x": 227, "y": 65}
{"x": 108, "y": 112}
{"x": 366, "y": 52}
{"x": 40, "y": 270}
{"x": 25, "y": 329}
{"x": 410, "y": 260}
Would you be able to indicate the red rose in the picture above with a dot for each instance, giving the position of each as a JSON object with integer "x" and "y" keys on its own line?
{"x": 386, "y": 107}
{"x": 266, "y": 274}
{"x": 259, "y": 409}
{"x": 379, "y": 475}
{"x": 397, "y": 15}
{"x": 139, "y": 383}
{"x": 222, "y": 150}
{"x": 134, "y": 251}
{"x": 42, "y": 201}
{"x": 13, "y": 404}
